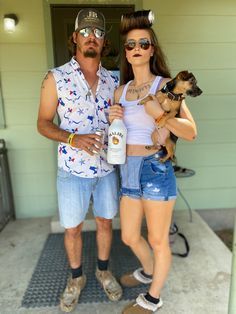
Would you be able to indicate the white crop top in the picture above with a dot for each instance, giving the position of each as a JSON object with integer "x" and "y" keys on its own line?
{"x": 139, "y": 124}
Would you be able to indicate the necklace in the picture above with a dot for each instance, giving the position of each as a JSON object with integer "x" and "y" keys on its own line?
{"x": 90, "y": 88}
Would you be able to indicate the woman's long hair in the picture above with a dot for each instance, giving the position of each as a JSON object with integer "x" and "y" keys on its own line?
{"x": 158, "y": 64}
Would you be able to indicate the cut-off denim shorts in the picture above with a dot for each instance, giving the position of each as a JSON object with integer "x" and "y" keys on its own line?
{"x": 74, "y": 194}
{"x": 148, "y": 178}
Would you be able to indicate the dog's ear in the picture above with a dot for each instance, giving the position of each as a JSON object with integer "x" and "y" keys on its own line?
{"x": 183, "y": 75}
{"x": 187, "y": 76}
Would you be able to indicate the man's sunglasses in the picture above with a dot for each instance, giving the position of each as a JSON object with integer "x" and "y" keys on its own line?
{"x": 98, "y": 33}
{"x": 143, "y": 43}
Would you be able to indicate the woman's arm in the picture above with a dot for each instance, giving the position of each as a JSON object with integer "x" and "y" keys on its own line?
{"x": 183, "y": 127}
{"x": 116, "y": 111}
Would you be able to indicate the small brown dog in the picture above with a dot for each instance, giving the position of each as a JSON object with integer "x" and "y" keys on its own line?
{"x": 170, "y": 98}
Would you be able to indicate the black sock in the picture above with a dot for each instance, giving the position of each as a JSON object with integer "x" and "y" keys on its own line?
{"x": 76, "y": 272}
{"x": 103, "y": 265}
{"x": 146, "y": 275}
{"x": 149, "y": 298}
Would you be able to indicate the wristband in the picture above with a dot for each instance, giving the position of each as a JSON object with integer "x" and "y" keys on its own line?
{"x": 70, "y": 138}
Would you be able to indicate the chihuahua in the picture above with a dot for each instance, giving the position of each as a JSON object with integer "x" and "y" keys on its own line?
{"x": 170, "y": 98}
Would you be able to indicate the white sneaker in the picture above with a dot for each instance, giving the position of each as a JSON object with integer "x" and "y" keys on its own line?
{"x": 134, "y": 279}
{"x": 144, "y": 303}
{"x": 140, "y": 277}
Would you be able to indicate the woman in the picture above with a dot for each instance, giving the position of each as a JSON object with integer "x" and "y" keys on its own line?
{"x": 148, "y": 185}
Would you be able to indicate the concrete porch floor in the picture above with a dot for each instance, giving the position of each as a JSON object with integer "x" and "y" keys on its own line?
{"x": 198, "y": 284}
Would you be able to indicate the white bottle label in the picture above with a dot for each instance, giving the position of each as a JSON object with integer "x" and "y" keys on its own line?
{"x": 117, "y": 144}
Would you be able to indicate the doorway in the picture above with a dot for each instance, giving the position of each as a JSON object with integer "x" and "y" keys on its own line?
{"x": 63, "y": 19}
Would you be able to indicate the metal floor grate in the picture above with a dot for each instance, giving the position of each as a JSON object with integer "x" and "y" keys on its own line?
{"x": 51, "y": 272}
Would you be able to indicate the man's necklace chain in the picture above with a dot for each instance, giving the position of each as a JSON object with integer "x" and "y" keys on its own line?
{"x": 90, "y": 88}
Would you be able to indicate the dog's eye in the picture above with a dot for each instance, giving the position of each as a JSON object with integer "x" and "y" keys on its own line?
{"x": 193, "y": 80}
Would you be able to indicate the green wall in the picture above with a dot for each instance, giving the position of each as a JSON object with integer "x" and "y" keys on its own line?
{"x": 196, "y": 35}
{"x": 23, "y": 66}
{"x": 200, "y": 36}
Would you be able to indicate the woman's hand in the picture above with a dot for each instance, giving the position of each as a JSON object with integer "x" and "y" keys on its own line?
{"x": 153, "y": 108}
{"x": 115, "y": 112}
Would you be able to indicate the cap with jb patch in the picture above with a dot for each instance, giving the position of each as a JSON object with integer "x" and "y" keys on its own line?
{"x": 90, "y": 18}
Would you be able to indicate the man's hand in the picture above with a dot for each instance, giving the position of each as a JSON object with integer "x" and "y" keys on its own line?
{"x": 90, "y": 143}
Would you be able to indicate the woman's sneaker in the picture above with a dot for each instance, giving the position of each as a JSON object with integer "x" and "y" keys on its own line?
{"x": 134, "y": 279}
{"x": 142, "y": 306}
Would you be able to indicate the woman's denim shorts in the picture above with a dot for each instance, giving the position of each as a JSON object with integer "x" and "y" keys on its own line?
{"x": 148, "y": 178}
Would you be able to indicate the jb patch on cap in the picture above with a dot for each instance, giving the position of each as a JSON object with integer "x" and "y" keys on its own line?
{"x": 89, "y": 18}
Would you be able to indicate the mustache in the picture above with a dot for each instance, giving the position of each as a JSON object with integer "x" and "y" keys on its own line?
{"x": 91, "y": 41}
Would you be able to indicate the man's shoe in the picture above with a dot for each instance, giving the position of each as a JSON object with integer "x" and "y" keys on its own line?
{"x": 71, "y": 294}
{"x": 142, "y": 306}
{"x": 109, "y": 283}
{"x": 134, "y": 279}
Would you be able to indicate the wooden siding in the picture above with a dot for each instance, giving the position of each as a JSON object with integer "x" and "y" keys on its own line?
{"x": 196, "y": 35}
{"x": 200, "y": 36}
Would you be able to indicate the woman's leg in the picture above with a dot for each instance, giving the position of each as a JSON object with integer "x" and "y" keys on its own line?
{"x": 131, "y": 215}
{"x": 158, "y": 216}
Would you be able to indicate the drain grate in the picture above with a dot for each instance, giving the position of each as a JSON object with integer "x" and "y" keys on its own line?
{"x": 51, "y": 272}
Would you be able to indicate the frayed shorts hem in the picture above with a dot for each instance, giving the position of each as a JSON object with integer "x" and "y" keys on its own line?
{"x": 150, "y": 198}
{"x": 77, "y": 224}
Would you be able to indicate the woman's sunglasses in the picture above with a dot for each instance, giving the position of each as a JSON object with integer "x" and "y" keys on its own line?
{"x": 98, "y": 33}
{"x": 143, "y": 43}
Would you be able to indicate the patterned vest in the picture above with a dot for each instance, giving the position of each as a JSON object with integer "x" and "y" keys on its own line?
{"x": 81, "y": 113}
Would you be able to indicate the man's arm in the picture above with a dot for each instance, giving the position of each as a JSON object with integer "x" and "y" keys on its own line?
{"x": 46, "y": 126}
{"x": 47, "y": 111}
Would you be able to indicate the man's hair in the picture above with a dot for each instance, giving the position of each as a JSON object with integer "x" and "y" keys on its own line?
{"x": 71, "y": 46}
{"x": 141, "y": 20}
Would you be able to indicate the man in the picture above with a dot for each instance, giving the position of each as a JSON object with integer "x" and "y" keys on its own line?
{"x": 80, "y": 92}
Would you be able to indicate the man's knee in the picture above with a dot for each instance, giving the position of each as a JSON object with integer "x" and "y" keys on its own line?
{"x": 73, "y": 233}
{"x": 103, "y": 224}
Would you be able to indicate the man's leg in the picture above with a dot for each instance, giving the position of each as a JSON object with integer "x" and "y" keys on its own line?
{"x": 105, "y": 208}
{"x": 77, "y": 281}
{"x": 73, "y": 245}
{"x": 104, "y": 276}
{"x": 104, "y": 237}
{"x": 73, "y": 198}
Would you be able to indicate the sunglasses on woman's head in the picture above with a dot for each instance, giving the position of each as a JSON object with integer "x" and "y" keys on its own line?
{"x": 98, "y": 33}
{"x": 143, "y": 43}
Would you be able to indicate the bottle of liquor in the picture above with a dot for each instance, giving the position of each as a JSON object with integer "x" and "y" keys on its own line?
{"x": 117, "y": 133}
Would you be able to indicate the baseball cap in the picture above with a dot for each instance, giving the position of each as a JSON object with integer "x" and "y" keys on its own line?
{"x": 90, "y": 18}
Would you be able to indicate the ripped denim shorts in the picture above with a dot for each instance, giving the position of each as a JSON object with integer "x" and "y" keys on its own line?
{"x": 148, "y": 178}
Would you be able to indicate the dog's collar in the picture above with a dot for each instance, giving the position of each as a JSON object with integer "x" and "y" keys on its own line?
{"x": 171, "y": 95}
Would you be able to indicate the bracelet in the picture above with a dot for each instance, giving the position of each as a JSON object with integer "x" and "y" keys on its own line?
{"x": 158, "y": 119}
{"x": 70, "y": 138}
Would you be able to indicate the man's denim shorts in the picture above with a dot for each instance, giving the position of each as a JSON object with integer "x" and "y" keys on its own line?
{"x": 148, "y": 178}
{"x": 74, "y": 194}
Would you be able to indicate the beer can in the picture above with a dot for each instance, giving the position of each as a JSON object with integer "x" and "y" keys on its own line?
{"x": 102, "y": 134}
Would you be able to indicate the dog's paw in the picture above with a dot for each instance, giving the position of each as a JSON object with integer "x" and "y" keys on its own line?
{"x": 146, "y": 99}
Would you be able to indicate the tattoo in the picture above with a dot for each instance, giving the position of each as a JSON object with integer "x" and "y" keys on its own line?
{"x": 139, "y": 91}
{"x": 45, "y": 78}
